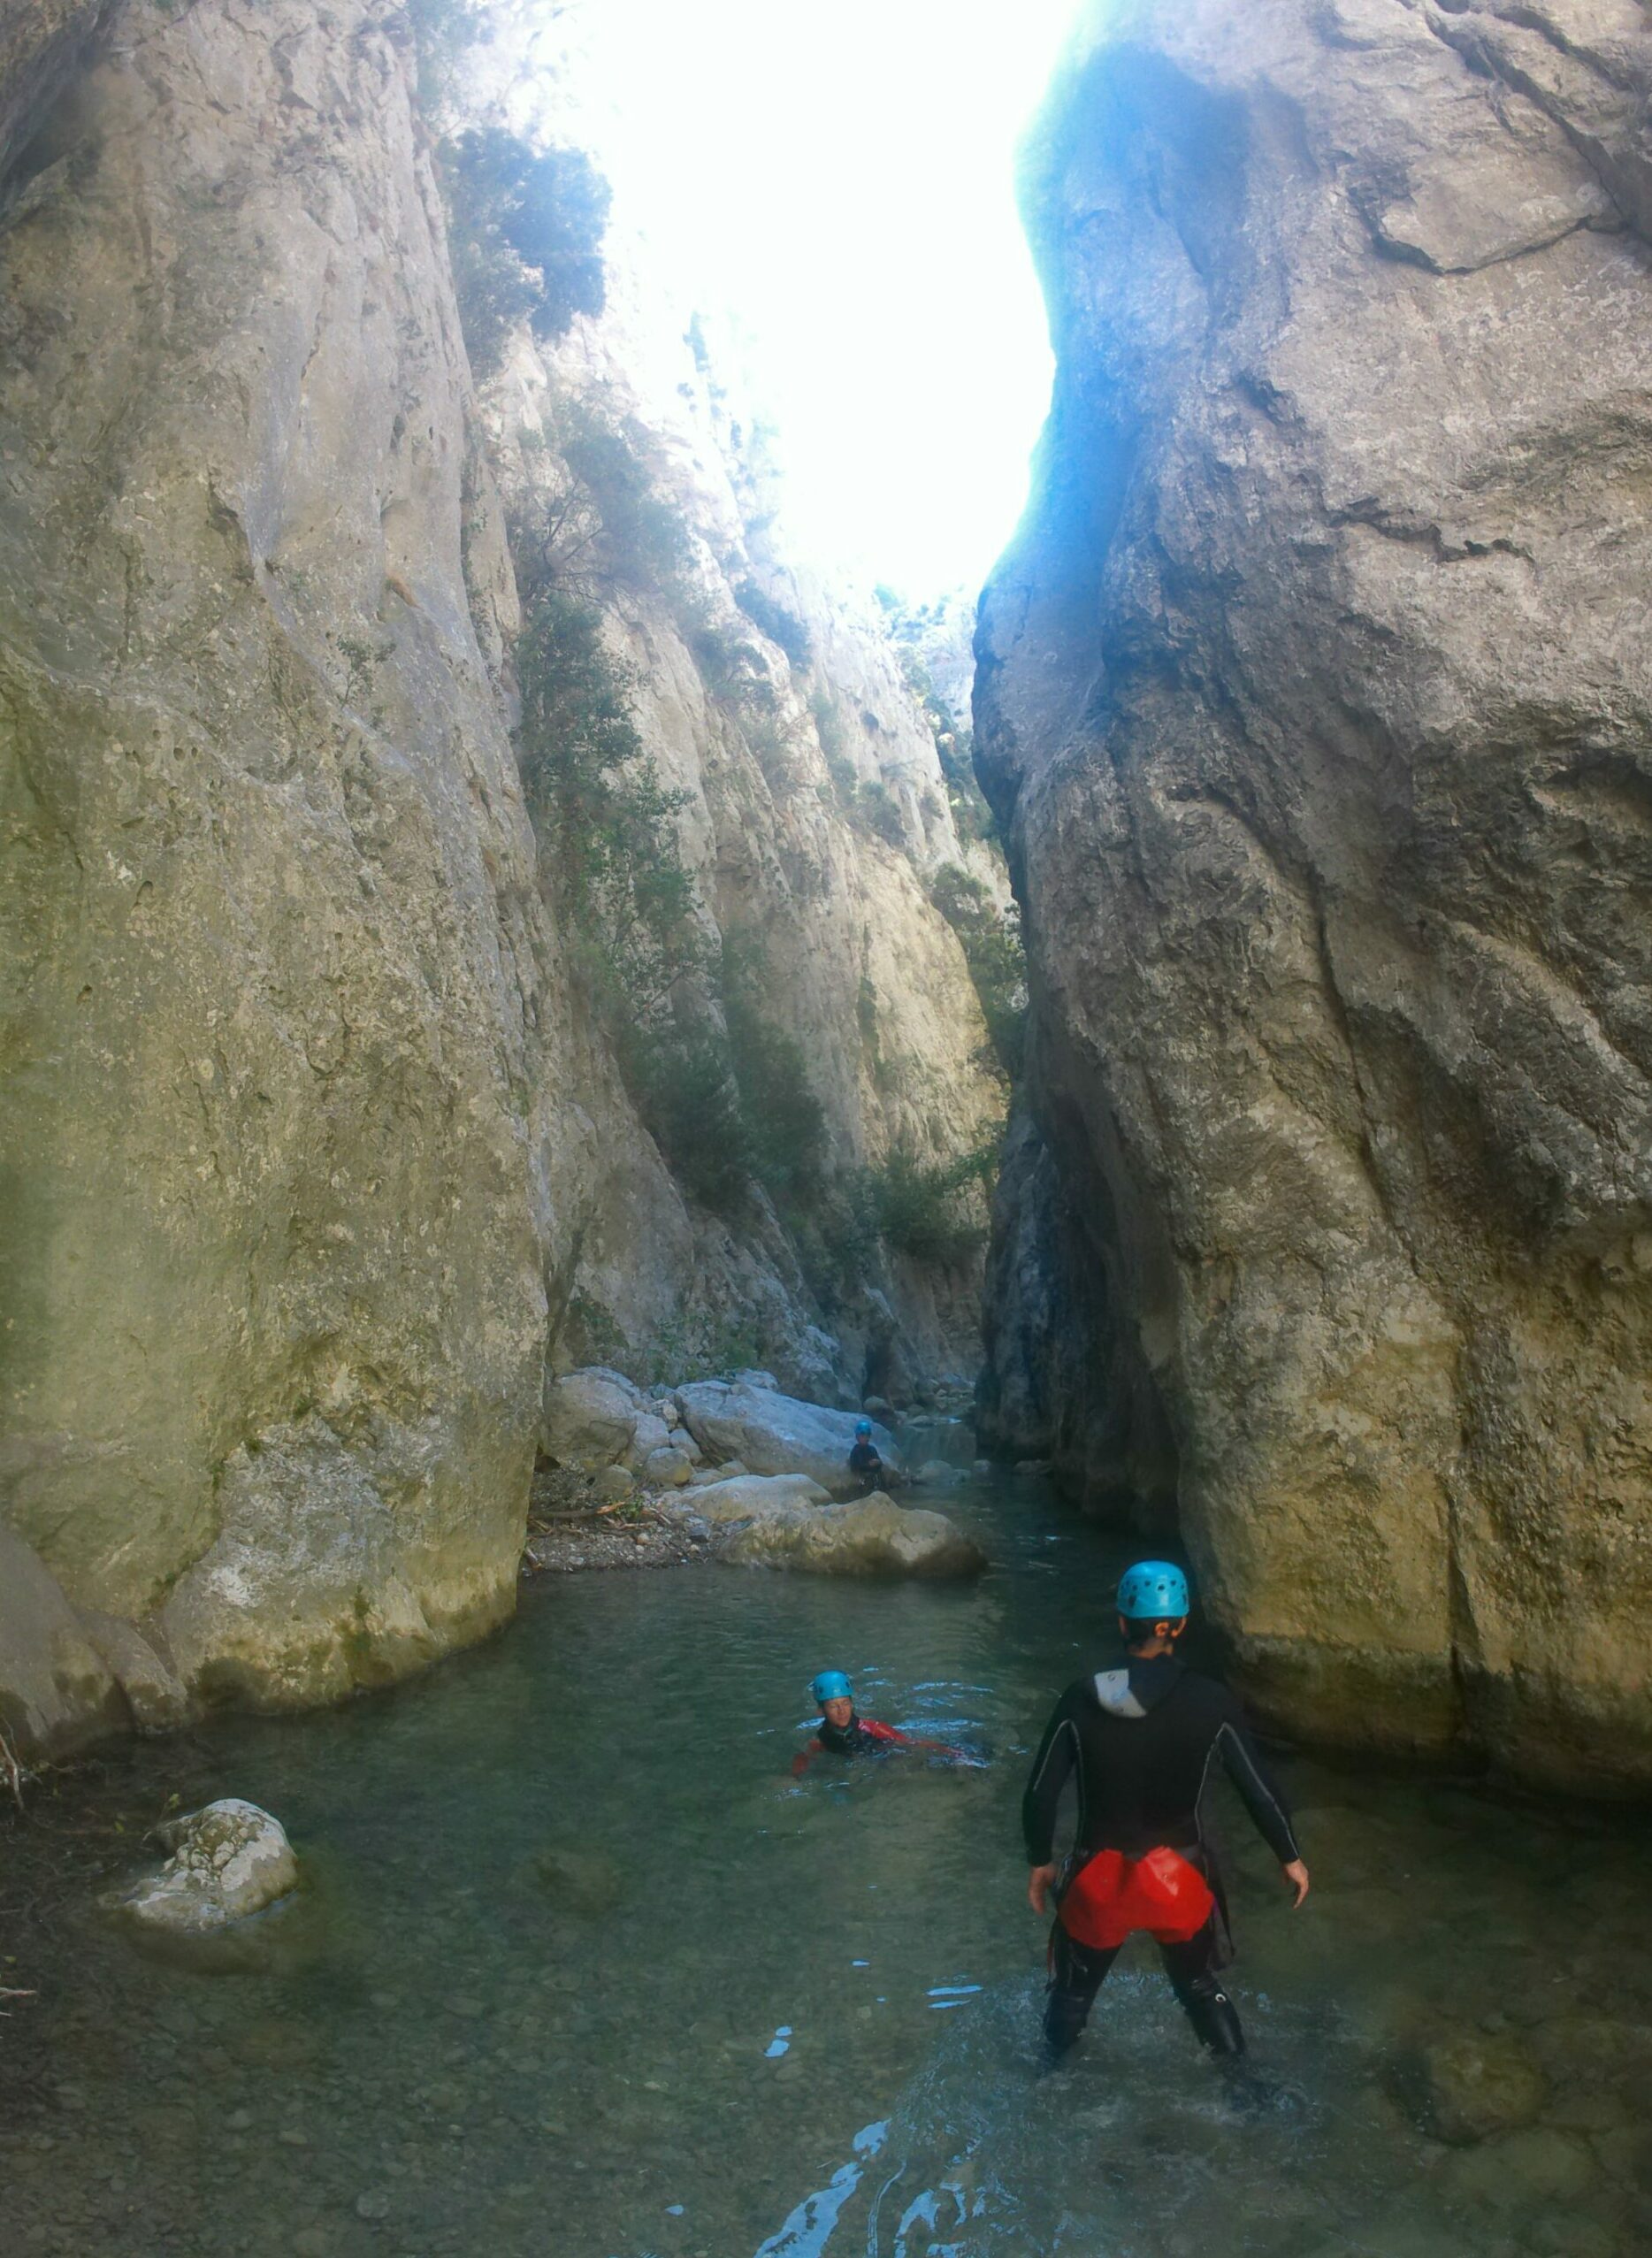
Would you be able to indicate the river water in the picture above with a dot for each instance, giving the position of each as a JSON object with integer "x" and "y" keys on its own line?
{"x": 579, "y": 1972}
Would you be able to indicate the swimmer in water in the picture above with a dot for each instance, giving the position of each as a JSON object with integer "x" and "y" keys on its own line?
{"x": 842, "y": 1732}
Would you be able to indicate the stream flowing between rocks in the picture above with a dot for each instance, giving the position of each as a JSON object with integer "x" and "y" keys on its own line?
{"x": 578, "y": 1971}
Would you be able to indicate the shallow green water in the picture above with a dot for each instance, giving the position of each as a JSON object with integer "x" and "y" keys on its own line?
{"x": 581, "y": 1973}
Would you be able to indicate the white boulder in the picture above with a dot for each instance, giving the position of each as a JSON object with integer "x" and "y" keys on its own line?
{"x": 666, "y": 1469}
{"x": 648, "y": 1435}
{"x": 229, "y": 1860}
{"x": 590, "y": 1419}
{"x": 746, "y": 1497}
{"x": 871, "y": 1537}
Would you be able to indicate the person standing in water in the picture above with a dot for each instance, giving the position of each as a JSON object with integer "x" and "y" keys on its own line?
{"x": 1138, "y": 1741}
{"x": 842, "y": 1733}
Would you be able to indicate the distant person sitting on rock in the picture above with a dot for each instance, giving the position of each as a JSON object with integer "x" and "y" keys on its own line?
{"x": 1138, "y": 1742}
{"x": 842, "y": 1733}
{"x": 865, "y": 1463}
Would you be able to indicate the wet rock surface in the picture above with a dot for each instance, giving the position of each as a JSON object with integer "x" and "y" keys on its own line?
{"x": 1472, "y": 2086}
{"x": 228, "y": 1862}
{"x": 1315, "y": 696}
{"x": 873, "y": 1537}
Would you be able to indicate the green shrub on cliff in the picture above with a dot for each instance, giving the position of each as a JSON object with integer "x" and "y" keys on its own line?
{"x": 605, "y": 824}
{"x": 780, "y": 625}
{"x": 683, "y": 1081}
{"x": 931, "y": 1210}
{"x": 998, "y": 962}
{"x": 786, "y": 1123}
{"x": 525, "y": 233}
{"x": 640, "y": 538}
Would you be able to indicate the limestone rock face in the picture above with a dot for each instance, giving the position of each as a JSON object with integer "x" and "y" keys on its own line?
{"x": 39, "y": 43}
{"x": 58, "y": 1693}
{"x": 1315, "y": 694}
{"x": 229, "y": 1860}
{"x": 273, "y": 1302}
{"x": 318, "y": 1158}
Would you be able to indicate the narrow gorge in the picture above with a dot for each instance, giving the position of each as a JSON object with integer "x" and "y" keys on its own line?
{"x": 647, "y": 1136}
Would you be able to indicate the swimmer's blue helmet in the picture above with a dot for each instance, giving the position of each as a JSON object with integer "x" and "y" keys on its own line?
{"x": 1153, "y": 1591}
{"x": 832, "y": 1686}
{"x": 863, "y": 1427}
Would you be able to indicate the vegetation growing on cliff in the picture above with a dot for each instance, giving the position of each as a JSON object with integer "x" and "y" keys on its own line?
{"x": 932, "y": 1211}
{"x": 781, "y": 627}
{"x": 992, "y": 947}
{"x": 525, "y": 231}
{"x": 601, "y": 523}
{"x": 605, "y": 822}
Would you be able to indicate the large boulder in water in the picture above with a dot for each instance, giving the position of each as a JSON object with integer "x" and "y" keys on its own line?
{"x": 871, "y": 1537}
{"x": 229, "y": 1860}
{"x": 759, "y": 1498}
{"x": 774, "y": 1434}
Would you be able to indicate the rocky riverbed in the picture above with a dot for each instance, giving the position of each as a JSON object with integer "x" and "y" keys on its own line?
{"x": 574, "y": 1963}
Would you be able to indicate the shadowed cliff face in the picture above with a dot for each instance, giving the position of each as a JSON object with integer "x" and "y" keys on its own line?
{"x": 1316, "y": 693}
{"x": 305, "y": 1128}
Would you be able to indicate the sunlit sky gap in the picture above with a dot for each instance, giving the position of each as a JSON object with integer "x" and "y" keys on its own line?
{"x": 836, "y": 177}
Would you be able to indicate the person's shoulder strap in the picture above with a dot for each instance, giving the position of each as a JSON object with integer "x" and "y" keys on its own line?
{"x": 1113, "y": 1693}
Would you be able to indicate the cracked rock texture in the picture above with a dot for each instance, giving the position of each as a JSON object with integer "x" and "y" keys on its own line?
{"x": 1315, "y": 694}
{"x": 310, "y": 1166}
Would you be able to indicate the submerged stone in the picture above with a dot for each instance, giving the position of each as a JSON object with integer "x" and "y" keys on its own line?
{"x": 1471, "y": 2087}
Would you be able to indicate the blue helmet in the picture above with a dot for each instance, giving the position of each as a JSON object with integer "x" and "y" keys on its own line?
{"x": 832, "y": 1686}
{"x": 863, "y": 1427}
{"x": 1152, "y": 1591}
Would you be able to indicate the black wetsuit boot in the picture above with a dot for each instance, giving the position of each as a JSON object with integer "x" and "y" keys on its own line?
{"x": 1197, "y": 1981}
{"x": 1076, "y": 1974}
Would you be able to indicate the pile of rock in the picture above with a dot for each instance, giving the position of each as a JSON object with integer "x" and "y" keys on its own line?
{"x": 706, "y": 1431}
{"x": 764, "y": 1473}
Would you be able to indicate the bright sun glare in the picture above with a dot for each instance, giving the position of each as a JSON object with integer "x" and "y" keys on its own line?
{"x": 836, "y": 176}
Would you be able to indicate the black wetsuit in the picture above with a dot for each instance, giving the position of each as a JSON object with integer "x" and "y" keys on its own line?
{"x": 1140, "y": 1741}
{"x": 866, "y": 1467}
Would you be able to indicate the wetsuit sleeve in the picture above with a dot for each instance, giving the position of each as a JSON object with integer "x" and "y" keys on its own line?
{"x": 1060, "y": 1754}
{"x": 806, "y": 1756}
{"x": 1262, "y": 1799}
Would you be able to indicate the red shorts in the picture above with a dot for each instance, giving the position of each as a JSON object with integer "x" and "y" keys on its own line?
{"x": 1111, "y": 1897}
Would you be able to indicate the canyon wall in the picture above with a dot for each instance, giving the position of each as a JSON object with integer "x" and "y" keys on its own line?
{"x": 1315, "y": 694}
{"x": 317, "y": 1155}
